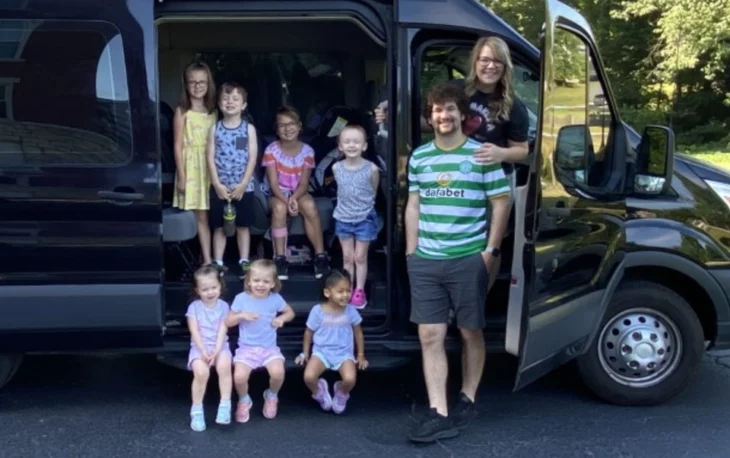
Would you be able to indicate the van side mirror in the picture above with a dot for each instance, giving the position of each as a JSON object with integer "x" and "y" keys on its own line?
{"x": 573, "y": 152}
{"x": 654, "y": 161}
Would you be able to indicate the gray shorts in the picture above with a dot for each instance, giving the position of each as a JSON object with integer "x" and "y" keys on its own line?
{"x": 437, "y": 285}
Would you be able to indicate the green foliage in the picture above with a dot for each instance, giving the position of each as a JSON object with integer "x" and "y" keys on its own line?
{"x": 668, "y": 61}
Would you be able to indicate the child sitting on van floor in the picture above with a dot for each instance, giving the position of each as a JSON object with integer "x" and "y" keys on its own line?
{"x": 289, "y": 163}
{"x": 208, "y": 345}
{"x": 356, "y": 223}
{"x": 193, "y": 118}
{"x": 258, "y": 312}
{"x": 333, "y": 325}
{"x": 232, "y": 150}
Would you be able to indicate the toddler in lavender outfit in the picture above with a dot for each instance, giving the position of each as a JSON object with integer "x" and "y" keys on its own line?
{"x": 208, "y": 346}
{"x": 333, "y": 325}
{"x": 258, "y": 312}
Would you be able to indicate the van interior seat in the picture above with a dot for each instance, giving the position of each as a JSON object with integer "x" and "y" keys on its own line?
{"x": 178, "y": 225}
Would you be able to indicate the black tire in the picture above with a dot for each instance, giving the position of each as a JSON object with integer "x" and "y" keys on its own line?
{"x": 654, "y": 297}
{"x": 9, "y": 365}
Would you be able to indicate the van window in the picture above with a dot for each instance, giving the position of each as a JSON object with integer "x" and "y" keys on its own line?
{"x": 65, "y": 100}
{"x": 577, "y": 114}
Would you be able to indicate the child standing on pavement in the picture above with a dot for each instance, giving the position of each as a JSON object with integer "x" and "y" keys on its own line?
{"x": 258, "y": 312}
{"x": 232, "y": 150}
{"x": 333, "y": 325}
{"x": 193, "y": 118}
{"x": 356, "y": 223}
{"x": 208, "y": 346}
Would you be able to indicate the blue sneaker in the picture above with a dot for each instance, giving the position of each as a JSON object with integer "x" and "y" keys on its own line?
{"x": 224, "y": 414}
{"x": 197, "y": 420}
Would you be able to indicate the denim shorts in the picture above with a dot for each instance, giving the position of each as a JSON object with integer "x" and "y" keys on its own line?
{"x": 363, "y": 231}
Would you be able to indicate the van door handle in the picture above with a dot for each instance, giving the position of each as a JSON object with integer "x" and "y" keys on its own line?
{"x": 121, "y": 196}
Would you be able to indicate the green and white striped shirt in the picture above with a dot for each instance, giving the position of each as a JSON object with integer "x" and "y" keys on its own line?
{"x": 454, "y": 195}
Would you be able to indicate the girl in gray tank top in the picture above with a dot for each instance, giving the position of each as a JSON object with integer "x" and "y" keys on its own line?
{"x": 356, "y": 223}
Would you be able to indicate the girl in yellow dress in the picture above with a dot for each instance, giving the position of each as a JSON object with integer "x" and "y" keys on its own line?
{"x": 193, "y": 119}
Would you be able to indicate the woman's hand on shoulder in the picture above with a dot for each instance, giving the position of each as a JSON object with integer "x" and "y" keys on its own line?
{"x": 489, "y": 154}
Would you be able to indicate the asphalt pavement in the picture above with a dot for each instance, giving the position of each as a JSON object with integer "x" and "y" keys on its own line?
{"x": 133, "y": 406}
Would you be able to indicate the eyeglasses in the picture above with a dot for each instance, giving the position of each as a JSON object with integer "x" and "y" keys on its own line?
{"x": 197, "y": 83}
{"x": 288, "y": 125}
{"x": 486, "y": 61}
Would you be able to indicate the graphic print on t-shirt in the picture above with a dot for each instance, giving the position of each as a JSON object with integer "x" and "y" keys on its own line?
{"x": 477, "y": 117}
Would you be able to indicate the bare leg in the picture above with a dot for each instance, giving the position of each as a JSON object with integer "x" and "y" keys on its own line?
{"x": 348, "y": 256}
{"x": 244, "y": 242}
{"x": 473, "y": 356}
{"x": 276, "y": 375}
{"x": 241, "y": 375}
{"x": 204, "y": 235}
{"x": 278, "y": 220}
{"x": 219, "y": 244}
{"x": 225, "y": 379}
{"x": 361, "y": 263}
{"x": 201, "y": 373}
{"x": 312, "y": 373}
{"x": 348, "y": 372}
{"x": 312, "y": 225}
{"x": 435, "y": 365}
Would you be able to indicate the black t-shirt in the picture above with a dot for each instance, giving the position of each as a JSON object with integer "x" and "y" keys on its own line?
{"x": 483, "y": 126}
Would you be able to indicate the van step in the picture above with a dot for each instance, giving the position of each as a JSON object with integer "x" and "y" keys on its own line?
{"x": 376, "y": 361}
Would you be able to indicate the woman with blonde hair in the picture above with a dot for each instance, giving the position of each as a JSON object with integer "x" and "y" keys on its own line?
{"x": 497, "y": 118}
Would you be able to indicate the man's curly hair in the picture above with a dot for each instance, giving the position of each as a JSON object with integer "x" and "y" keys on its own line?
{"x": 443, "y": 93}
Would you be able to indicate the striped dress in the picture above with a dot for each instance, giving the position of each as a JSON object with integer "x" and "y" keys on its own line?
{"x": 454, "y": 195}
{"x": 288, "y": 168}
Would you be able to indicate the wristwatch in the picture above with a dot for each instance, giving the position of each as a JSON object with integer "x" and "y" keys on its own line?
{"x": 493, "y": 251}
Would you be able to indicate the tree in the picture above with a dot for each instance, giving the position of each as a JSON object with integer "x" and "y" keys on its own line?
{"x": 689, "y": 34}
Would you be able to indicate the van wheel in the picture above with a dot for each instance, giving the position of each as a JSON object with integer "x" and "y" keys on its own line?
{"x": 9, "y": 365}
{"x": 647, "y": 348}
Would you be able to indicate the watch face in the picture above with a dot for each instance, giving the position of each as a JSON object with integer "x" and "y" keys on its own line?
{"x": 495, "y": 252}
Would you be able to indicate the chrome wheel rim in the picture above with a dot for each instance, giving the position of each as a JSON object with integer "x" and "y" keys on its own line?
{"x": 639, "y": 347}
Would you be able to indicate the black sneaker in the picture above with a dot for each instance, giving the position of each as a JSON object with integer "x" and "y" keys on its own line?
{"x": 433, "y": 427}
{"x": 245, "y": 265}
{"x": 222, "y": 269}
{"x": 282, "y": 267}
{"x": 321, "y": 265}
{"x": 463, "y": 412}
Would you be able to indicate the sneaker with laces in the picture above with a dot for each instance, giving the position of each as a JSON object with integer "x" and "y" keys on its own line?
{"x": 282, "y": 267}
{"x": 224, "y": 414}
{"x": 321, "y": 265}
{"x": 463, "y": 412}
{"x": 339, "y": 401}
{"x": 433, "y": 427}
{"x": 222, "y": 269}
{"x": 244, "y": 265}
{"x": 271, "y": 405}
{"x": 323, "y": 395}
{"x": 197, "y": 420}
{"x": 243, "y": 411}
{"x": 358, "y": 299}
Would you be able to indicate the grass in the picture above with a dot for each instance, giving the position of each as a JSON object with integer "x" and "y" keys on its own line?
{"x": 716, "y": 154}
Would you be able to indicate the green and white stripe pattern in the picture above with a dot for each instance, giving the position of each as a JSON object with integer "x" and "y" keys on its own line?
{"x": 454, "y": 195}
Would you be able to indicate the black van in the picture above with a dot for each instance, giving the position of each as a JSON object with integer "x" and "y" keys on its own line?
{"x": 619, "y": 253}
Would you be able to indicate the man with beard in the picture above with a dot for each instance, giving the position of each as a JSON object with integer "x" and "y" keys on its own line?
{"x": 450, "y": 249}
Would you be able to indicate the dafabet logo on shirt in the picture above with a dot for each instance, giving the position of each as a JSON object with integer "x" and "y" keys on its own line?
{"x": 443, "y": 179}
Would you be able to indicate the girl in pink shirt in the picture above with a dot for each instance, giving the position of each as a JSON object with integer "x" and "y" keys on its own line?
{"x": 289, "y": 163}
